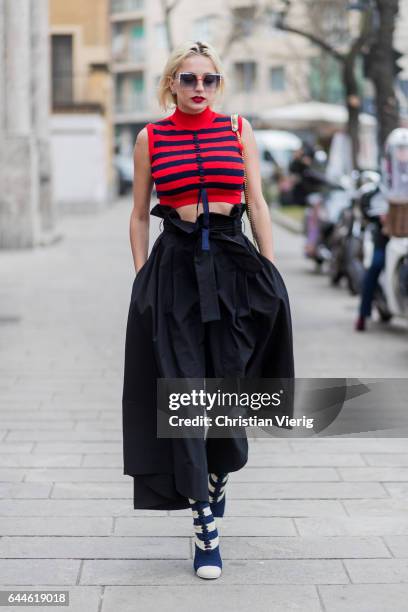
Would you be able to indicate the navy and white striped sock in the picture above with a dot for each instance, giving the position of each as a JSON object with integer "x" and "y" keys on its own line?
{"x": 216, "y": 493}
{"x": 207, "y": 558}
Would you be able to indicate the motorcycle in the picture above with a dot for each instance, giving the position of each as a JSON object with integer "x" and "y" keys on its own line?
{"x": 394, "y": 278}
{"x": 348, "y": 235}
{"x": 322, "y": 213}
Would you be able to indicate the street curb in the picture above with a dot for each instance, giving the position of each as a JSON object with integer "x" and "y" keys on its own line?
{"x": 284, "y": 221}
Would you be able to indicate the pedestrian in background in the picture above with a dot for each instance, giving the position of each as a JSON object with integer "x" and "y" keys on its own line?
{"x": 371, "y": 275}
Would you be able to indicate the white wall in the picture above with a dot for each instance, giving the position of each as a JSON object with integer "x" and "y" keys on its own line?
{"x": 78, "y": 149}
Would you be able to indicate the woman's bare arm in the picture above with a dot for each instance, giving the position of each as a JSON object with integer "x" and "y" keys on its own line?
{"x": 258, "y": 206}
{"x": 142, "y": 190}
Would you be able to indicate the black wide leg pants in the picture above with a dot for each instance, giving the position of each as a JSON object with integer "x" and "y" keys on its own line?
{"x": 195, "y": 314}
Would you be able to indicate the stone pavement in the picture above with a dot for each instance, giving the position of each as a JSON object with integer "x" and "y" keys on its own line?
{"x": 312, "y": 525}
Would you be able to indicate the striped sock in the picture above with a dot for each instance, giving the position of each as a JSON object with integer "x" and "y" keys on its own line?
{"x": 207, "y": 558}
{"x": 216, "y": 492}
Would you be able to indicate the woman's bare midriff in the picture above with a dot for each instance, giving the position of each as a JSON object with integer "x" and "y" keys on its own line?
{"x": 189, "y": 212}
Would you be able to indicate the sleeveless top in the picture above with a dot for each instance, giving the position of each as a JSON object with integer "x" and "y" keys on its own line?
{"x": 195, "y": 156}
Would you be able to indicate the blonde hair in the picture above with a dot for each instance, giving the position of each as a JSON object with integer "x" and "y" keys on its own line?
{"x": 164, "y": 94}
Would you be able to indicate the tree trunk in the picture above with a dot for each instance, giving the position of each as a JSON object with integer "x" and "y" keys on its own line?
{"x": 353, "y": 98}
{"x": 382, "y": 70}
{"x": 167, "y": 10}
{"x": 353, "y": 103}
{"x": 347, "y": 62}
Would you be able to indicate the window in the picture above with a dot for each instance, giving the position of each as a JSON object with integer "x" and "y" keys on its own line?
{"x": 136, "y": 42}
{"x": 204, "y": 28}
{"x": 245, "y": 75}
{"x": 244, "y": 19}
{"x": 137, "y": 96}
{"x": 130, "y": 92}
{"x": 118, "y": 43}
{"x": 160, "y": 35}
{"x": 325, "y": 79}
{"x": 137, "y": 30}
{"x": 119, "y": 91}
{"x": 277, "y": 78}
{"x": 128, "y": 41}
{"x": 62, "y": 74}
{"x": 138, "y": 83}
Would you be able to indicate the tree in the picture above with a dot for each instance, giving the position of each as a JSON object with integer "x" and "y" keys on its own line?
{"x": 168, "y": 8}
{"x": 327, "y": 31}
{"x": 382, "y": 68}
{"x": 326, "y": 27}
{"x": 347, "y": 57}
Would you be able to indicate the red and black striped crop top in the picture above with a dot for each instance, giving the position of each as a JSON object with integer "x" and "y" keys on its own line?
{"x": 189, "y": 152}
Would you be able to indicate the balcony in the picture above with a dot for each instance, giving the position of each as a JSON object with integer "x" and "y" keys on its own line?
{"x": 242, "y": 4}
{"x": 125, "y": 10}
{"x": 73, "y": 93}
{"x": 128, "y": 57}
{"x": 131, "y": 104}
{"x": 126, "y": 6}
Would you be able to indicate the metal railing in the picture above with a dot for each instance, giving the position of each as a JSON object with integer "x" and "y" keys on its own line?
{"x": 75, "y": 90}
{"x": 126, "y": 6}
{"x": 131, "y": 103}
{"x": 130, "y": 53}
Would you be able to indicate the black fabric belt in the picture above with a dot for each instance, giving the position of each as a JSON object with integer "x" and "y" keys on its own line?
{"x": 225, "y": 230}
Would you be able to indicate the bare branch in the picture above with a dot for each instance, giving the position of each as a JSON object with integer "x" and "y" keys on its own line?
{"x": 172, "y": 6}
{"x": 232, "y": 37}
{"x": 313, "y": 38}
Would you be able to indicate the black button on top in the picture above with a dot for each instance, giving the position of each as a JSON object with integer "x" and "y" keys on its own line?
{"x": 199, "y": 159}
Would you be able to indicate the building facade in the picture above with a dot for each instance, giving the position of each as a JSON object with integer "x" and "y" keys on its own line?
{"x": 27, "y": 212}
{"x": 82, "y": 119}
{"x": 264, "y": 68}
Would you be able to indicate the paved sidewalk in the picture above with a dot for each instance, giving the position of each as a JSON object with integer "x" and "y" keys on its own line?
{"x": 312, "y": 525}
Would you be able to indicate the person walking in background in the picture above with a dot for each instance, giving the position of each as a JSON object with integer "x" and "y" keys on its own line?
{"x": 300, "y": 168}
{"x": 372, "y": 273}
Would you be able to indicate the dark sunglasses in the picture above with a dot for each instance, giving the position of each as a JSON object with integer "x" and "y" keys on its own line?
{"x": 189, "y": 80}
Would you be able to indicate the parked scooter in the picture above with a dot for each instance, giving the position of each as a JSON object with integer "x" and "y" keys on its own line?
{"x": 348, "y": 235}
{"x": 385, "y": 210}
{"x": 394, "y": 281}
{"x": 322, "y": 213}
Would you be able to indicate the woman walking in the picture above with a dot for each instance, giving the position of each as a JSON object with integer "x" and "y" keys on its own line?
{"x": 205, "y": 302}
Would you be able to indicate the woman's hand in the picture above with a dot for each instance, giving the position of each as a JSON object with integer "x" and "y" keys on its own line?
{"x": 137, "y": 270}
{"x": 272, "y": 261}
